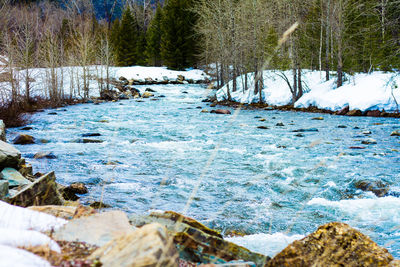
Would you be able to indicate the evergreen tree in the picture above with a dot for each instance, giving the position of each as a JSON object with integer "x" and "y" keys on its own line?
{"x": 141, "y": 48}
{"x": 153, "y": 38}
{"x": 124, "y": 39}
{"x": 178, "y": 43}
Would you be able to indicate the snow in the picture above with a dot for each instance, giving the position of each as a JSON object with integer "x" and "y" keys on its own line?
{"x": 360, "y": 91}
{"x": 20, "y": 227}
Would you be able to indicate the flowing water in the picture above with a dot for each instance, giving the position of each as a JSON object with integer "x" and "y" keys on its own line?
{"x": 271, "y": 183}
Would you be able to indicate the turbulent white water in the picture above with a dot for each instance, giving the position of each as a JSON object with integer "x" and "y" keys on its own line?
{"x": 270, "y": 184}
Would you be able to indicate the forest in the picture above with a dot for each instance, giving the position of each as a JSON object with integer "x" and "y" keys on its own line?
{"x": 232, "y": 38}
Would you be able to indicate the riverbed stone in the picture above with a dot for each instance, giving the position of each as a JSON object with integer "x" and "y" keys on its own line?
{"x": 65, "y": 212}
{"x": 25, "y": 169}
{"x": 373, "y": 113}
{"x": 14, "y": 178}
{"x": 78, "y": 188}
{"x": 221, "y": 111}
{"x": 3, "y": 131}
{"x": 354, "y": 112}
{"x": 343, "y": 111}
{"x": 147, "y": 95}
{"x": 333, "y": 244}
{"x": 369, "y": 142}
{"x": 44, "y": 155}
{"x": 97, "y": 229}
{"x": 88, "y": 141}
{"x": 263, "y": 127}
{"x": 3, "y": 188}
{"x": 43, "y": 191}
{"x": 24, "y": 139}
{"x": 149, "y": 246}
{"x": 318, "y": 119}
{"x": 198, "y": 243}
{"x": 379, "y": 188}
{"x": 395, "y": 133}
{"x": 280, "y": 124}
{"x": 305, "y": 130}
{"x": 9, "y": 156}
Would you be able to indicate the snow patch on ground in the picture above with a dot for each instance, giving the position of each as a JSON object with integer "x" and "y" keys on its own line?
{"x": 360, "y": 91}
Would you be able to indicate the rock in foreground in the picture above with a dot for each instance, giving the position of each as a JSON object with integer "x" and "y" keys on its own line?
{"x": 333, "y": 244}
{"x": 147, "y": 246}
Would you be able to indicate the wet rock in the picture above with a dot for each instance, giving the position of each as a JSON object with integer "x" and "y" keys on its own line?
{"x": 204, "y": 111}
{"x": 44, "y": 141}
{"x": 109, "y": 95}
{"x": 150, "y": 90}
{"x": 2, "y": 131}
{"x": 299, "y": 135}
{"x": 369, "y": 142}
{"x": 342, "y": 126}
{"x": 180, "y": 78}
{"x": 149, "y": 245}
{"x": 198, "y": 243}
{"x": 24, "y": 139}
{"x": 395, "y": 133}
{"x": 280, "y": 124}
{"x": 366, "y": 132}
{"x": 78, "y": 188}
{"x": 65, "y": 212}
{"x": 9, "y": 156}
{"x": 91, "y": 135}
{"x": 97, "y": 229}
{"x": 14, "y": 178}
{"x": 147, "y": 95}
{"x": 221, "y": 111}
{"x": 333, "y": 244}
{"x": 161, "y": 96}
{"x": 373, "y": 113}
{"x": 123, "y": 79}
{"x": 357, "y": 147}
{"x": 343, "y": 111}
{"x": 99, "y": 205}
{"x": 44, "y": 155}
{"x": 88, "y": 141}
{"x": 3, "y": 188}
{"x": 354, "y": 112}
{"x": 318, "y": 119}
{"x": 262, "y": 127}
{"x": 27, "y": 128}
{"x": 213, "y": 105}
{"x": 305, "y": 130}
{"x": 43, "y": 191}
{"x": 52, "y": 113}
{"x": 262, "y": 120}
{"x": 185, "y": 92}
{"x": 379, "y": 188}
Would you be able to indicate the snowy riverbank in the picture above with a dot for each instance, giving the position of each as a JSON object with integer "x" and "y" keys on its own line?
{"x": 375, "y": 91}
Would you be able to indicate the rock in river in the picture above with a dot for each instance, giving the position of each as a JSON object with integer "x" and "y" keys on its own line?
{"x": 44, "y": 155}
{"x": 14, "y": 178}
{"x": 395, "y": 133}
{"x": 333, "y": 244}
{"x": 24, "y": 139}
{"x": 379, "y": 188}
{"x": 221, "y": 111}
{"x": 2, "y": 131}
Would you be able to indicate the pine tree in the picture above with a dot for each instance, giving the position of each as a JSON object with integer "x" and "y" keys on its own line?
{"x": 178, "y": 44}
{"x": 141, "y": 48}
{"x": 153, "y": 38}
{"x": 124, "y": 39}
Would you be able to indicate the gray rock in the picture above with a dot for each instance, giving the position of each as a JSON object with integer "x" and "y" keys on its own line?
{"x": 3, "y": 188}
{"x": 147, "y": 246}
{"x": 43, "y": 191}
{"x": 13, "y": 177}
{"x": 306, "y": 130}
{"x": 44, "y": 155}
{"x": 2, "y": 131}
{"x": 98, "y": 229}
{"x": 395, "y": 133}
{"x": 369, "y": 142}
{"x": 9, "y": 156}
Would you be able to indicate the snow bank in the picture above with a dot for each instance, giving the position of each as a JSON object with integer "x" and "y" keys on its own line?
{"x": 361, "y": 91}
{"x": 156, "y": 73}
{"x": 20, "y": 227}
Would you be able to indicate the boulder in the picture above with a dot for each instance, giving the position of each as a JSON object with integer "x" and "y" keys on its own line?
{"x": 97, "y": 229}
{"x": 25, "y": 169}
{"x": 373, "y": 113}
{"x": 43, "y": 191}
{"x": 333, "y": 244}
{"x": 180, "y": 78}
{"x": 108, "y": 95}
{"x": 305, "y": 130}
{"x": 2, "y": 131}
{"x": 9, "y": 156}
{"x": 395, "y": 133}
{"x": 221, "y": 111}
{"x": 65, "y": 212}
{"x": 343, "y": 111}
{"x": 44, "y": 155}
{"x": 78, "y": 188}
{"x": 3, "y": 188}
{"x": 354, "y": 112}
{"x": 148, "y": 246}
{"x": 197, "y": 243}
{"x": 147, "y": 95}
{"x": 379, "y": 188}
{"x": 91, "y": 135}
{"x": 280, "y": 124}
{"x": 24, "y": 139}
{"x": 14, "y": 178}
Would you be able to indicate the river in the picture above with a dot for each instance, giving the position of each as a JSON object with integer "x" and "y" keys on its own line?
{"x": 273, "y": 184}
